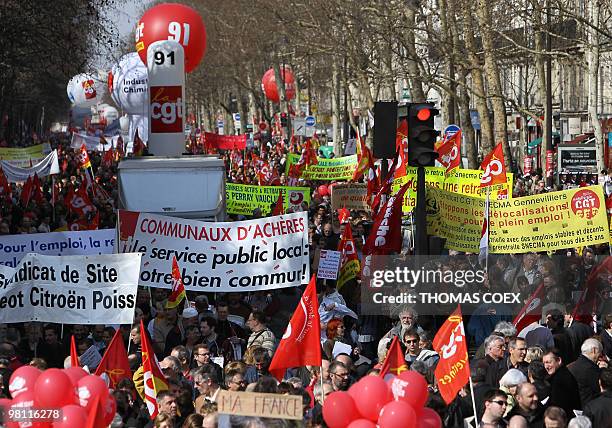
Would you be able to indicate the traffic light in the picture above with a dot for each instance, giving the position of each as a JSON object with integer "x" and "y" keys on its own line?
{"x": 283, "y": 117}
{"x": 421, "y": 134}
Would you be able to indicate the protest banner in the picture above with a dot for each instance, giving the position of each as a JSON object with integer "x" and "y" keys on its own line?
{"x": 326, "y": 169}
{"x": 260, "y": 404}
{"x": 225, "y": 142}
{"x": 48, "y": 166}
{"x": 245, "y": 198}
{"x": 261, "y": 254}
{"x": 352, "y": 196}
{"x": 24, "y": 156}
{"x": 87, "y": 242}
{"x": 545, "y": 222}
{"x": 463, "y": 181}
{"x": 329, "y": 262}
{"x": 92, "y": 143}
{"x": 70, "y": 289}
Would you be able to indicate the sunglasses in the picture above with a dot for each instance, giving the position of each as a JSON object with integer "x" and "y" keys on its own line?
{"x": 500, "y": 402}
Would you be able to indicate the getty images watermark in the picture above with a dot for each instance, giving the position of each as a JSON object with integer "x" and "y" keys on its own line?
{"x": 434, "y": 285}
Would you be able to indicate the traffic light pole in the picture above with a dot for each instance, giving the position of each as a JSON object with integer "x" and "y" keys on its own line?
{"x": 421, "y": 241}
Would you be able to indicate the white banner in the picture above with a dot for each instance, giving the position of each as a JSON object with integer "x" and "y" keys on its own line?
{"x": 261, "y": 254}
{"x": 86, "y": 242}
{"x": 91, "y": 143}
{"x": 47, "y": 166}
{"x": 70, "y": 289}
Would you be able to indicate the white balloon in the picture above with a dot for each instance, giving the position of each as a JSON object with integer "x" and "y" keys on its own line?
{"x": 85, "y": 90}
{"x": 124, "y": 123}
{"x": 130, "y": 89}
{"x": 110, "y": 113}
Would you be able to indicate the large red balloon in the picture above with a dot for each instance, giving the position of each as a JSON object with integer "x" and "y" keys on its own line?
{"x": 410, "y": 387}
{"x": 362, "y": 423}
{"x": 429, "y": 418}
{"x": 110, "y": 408}
{"x": 23, "y": 380}
{"x": 26, "y": 400}
{"x": 268, "y": 83}
{"x": 54, "y": 389}
{"x": 72, "y": 416}
{"x": 370, "y": 394}
{"x": 397, "y": 414}
{"x": 89, "y": 388}
{"x": 339, "y": 410}
{"x": 323, "y": 190}
{"x": 75, "y": 374}
{"x": 172, "y": 21}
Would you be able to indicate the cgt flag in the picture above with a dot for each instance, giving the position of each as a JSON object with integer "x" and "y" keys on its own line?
{"x": 494, "y": 168}
{"x": 115, "y": 364}
{"x": 83, "y": 157}
{"x": 178, "y": 289}
{"x": 450, "y": 152}
{"x": 349, "y": 262}
{"x": 154, "y": 379}
{"x": 532, "y": 311}
{"x": 300, "y": 344}
{"x": 453, "y": 369}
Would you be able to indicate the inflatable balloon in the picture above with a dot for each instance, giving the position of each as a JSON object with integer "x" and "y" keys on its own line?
{"x": 429, "y": 418}
{"x": 397, "y": 414}
{"x": 54, "y": 389}
{"x": 124, "y": 124}
{"x": 410, "y": 387}
{"x": 90, "y": 387}
{"x": 72, "y": 416}
{"x": 176, "y": 22}
{"x": 85, "y": 90}
{"x": 322, "y": 190}
{"x": 130, "y": 89}
{"x": 339, "y": 410}
{"x": 25, "y": 401}
{"x": 268, "y": 84}
{"x": 370, "y": 395}
{"x": 362, "y": 423}
{"x": 75, "y": 374}
{"x": 23, "y": 380}
{"x": 109, "y": 408}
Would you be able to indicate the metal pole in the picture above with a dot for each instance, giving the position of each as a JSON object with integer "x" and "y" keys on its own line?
{"x": 548, "y": 111}
{"x": 421, "y": 244}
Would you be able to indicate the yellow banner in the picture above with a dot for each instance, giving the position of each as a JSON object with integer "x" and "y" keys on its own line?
{"x": 547, "y": 222}
{"x": 327, "y": 169}
{"x": 244, "y": 198}
{"x": 21, "y": 156}
{"x": 463, "y": 181}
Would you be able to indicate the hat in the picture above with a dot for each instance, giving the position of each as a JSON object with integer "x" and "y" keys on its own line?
{"x": 190, "y": 313}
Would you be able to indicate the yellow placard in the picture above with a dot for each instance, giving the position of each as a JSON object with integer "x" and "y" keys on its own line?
{"x": 245, "y": 198}
{"x": 21, "y": 156}
{"x": 547, "y": 222}
{"x": 327, "y": 169}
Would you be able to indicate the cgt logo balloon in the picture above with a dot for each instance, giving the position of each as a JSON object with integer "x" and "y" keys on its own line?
{"x": 166, "y": 109}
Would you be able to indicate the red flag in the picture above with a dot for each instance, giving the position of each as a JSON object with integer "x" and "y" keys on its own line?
{"x": 37, "y": 193}
{"x": 494, "y": 168}
{"x": 401, "y": 145}
{"x": 5, "y": 187}
{"x": 532, "y": 311}
{"x": 83, "y": 158}
{"x": 394, "y": 361}
{"x": 364, "y": 157}
{"x": 372, "y": 180}
{"x": 590, "y": 298}
{"x": 108, "y": 158}
{"x": 26, "y": 192}
{"x": 137, "y": 146}
{"x": 120, "y": 148}
{"x": 279, "y": 208}
{"x": 349, "y": 262}
{"x": 453, "y": 369}
{"x": 95, "y": 418}
{"x": 178, "y": 289}
{"x": 343, "y": 215}
{"x": 74, "y": 356}
{"x": 64, "y": 165}
{"x": 450, "y": 152}
{"x": 154, "y": 379}
{"x": 300, "y": 345}
{"x": 115, "y": 362}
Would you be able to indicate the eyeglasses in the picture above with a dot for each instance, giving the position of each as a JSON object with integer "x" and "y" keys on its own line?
{"x": 345, "y": 375}
{"x": 500, "y": 402}
{"x": 412, "y": 341}
{"x": 202, "y": 355}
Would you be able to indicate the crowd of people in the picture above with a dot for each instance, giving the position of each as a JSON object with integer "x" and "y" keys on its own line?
{"x": 554, "y": 373}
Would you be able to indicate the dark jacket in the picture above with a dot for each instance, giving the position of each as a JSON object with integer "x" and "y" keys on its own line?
{"x": 606, "y": 340}
{"x": 599, "y": 410}
{"x": 499, "y": 368}
{"x": 586, "y": 373}
{"x": 564, "y": 391}
{"x": 535, "y": 419}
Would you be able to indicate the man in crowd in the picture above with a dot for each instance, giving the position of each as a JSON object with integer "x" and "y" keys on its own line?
{"x": 206, "y": 381}
{"x": 564, "y": 391}
{"x": 515, "y": 360}
{"x": 494, "y": 351}
{"x": 261, "y": 335}
{"x": 528, "y": 405}
{"x": 339, "y": 374}
{"x": 586, "y": 370}
{"x": 599, "y": 409}
{"x": 495, "y": 403}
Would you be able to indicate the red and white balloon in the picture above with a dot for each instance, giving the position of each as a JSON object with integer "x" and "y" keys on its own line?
{"x": 268, "y": 84}
{"x": 85, "y": 90}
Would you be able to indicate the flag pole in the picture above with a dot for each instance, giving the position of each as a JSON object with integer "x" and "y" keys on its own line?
{"x": 473, "y": 401}
{"x": 321, "y": 377}
{"x": 488, "y": 207}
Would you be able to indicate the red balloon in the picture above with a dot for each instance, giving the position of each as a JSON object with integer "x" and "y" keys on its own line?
{"x": 322, "y": 190}
{"x": 173, "y": 21}
{"x": 268, "y": 84}
{"x": 397, "y": 414}
{"x": 54, "y": 389}
{"x": 429, "y": 418}
{"x": 339, "y": 409}
{"x": 362, "y": 423}
{"x": 89, "y": 388}
{"x": 72, "y": 416}
{"x": 75, "y": 374}
{"x": 370, "y": 394}
{"x": 410, "y": 387}
{"x": 23, "y": 380}
{"x": 26, "y": 400}
{"x": 110, "y": 408}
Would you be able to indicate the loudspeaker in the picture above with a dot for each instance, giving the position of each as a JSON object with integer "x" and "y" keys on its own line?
{"x": 385, "y": 128}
